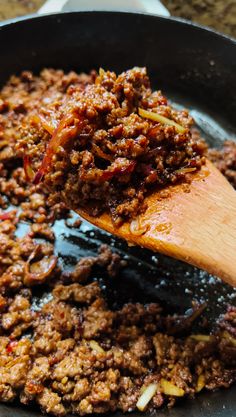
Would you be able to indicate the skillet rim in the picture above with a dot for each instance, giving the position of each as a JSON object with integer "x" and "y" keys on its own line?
{"x": 179, "y": 20}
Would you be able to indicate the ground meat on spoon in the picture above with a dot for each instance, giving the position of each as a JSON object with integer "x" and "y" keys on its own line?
{"x": 103, "y": 147}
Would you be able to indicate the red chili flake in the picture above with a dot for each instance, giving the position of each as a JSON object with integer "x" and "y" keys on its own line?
{"x": 34, "y": 387}
{"x": 38, "y": 177}
{"x": 11, "y": 345}
{"x": 8, "y": 215}
{"x": 162, "y": 101}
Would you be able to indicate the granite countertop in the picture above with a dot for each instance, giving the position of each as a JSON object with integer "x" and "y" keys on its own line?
{"x": 219, "y": 14}
{"x": 13, "y": 8}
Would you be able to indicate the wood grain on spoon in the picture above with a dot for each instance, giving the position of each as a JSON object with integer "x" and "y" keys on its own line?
{"x": 196, "y": 224}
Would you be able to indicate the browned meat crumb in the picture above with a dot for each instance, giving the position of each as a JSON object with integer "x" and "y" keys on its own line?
{"x": 77, "y": 292}
{"x": 42, "y": 230}
{"x": 225, "y": 160}
{"x": 106, "y": 259}
{"x": 74, "y": 225}
{"x": 74, "y": 354}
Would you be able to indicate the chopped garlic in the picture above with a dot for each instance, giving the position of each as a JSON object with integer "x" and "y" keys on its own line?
{"x": 136, "y": 229}
{"x": 95, "y": 346}
{"x": 101, "y": 71}
{"x": 170, "y": 389}
{"x": 161, "y": 119}
{"x": 147, "y": 394}
{"x": 64, "y": 380}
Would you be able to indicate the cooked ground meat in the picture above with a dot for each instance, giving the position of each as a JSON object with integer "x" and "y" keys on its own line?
{"x": 74, "y": 354}
{"x": 84, "y": 358}
{"x": 100, "y": 150}
{"x": 225, "y": 160}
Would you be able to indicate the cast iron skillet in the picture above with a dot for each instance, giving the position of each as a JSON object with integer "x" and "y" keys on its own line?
{"x": 194, "y": 66}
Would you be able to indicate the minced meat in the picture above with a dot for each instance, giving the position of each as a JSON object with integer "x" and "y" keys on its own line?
{"x": 225, "y": 160}
{"x": 100, "y": 150}
{"x": 74, "y": 354}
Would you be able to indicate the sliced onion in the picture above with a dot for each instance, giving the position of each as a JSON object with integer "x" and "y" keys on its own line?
{"x": 171, "y": 389}
{"x": 29, "y": 172}
{"x": 147, "y": 394}
{"x": 161, "y": 119}
{"x": 37, "y": 272}
{"x": 230, "y": 338}
{"x": 201, "y": 337}
{"x": 200, "y": 383}
{"x": 185, "y": 170}
{"x": 47, "y": 126}
{"x": 39, "y": 119}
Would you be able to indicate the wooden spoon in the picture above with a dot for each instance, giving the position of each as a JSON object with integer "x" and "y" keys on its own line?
{"x": 195, "y": 223}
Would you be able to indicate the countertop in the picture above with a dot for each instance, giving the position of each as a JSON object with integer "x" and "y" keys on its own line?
{"x": 219, "y": 14}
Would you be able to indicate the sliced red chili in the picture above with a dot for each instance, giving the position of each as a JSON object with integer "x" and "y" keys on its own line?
{"x": 11, "y": 345}
{"x": 122, "y": 170}
{"x": 66, "y": 130}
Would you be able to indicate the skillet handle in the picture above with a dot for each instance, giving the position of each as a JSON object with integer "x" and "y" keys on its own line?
{"x": 147, "y": 6}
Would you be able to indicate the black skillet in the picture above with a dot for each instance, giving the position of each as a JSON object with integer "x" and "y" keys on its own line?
{"x": 196, "y": 68}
